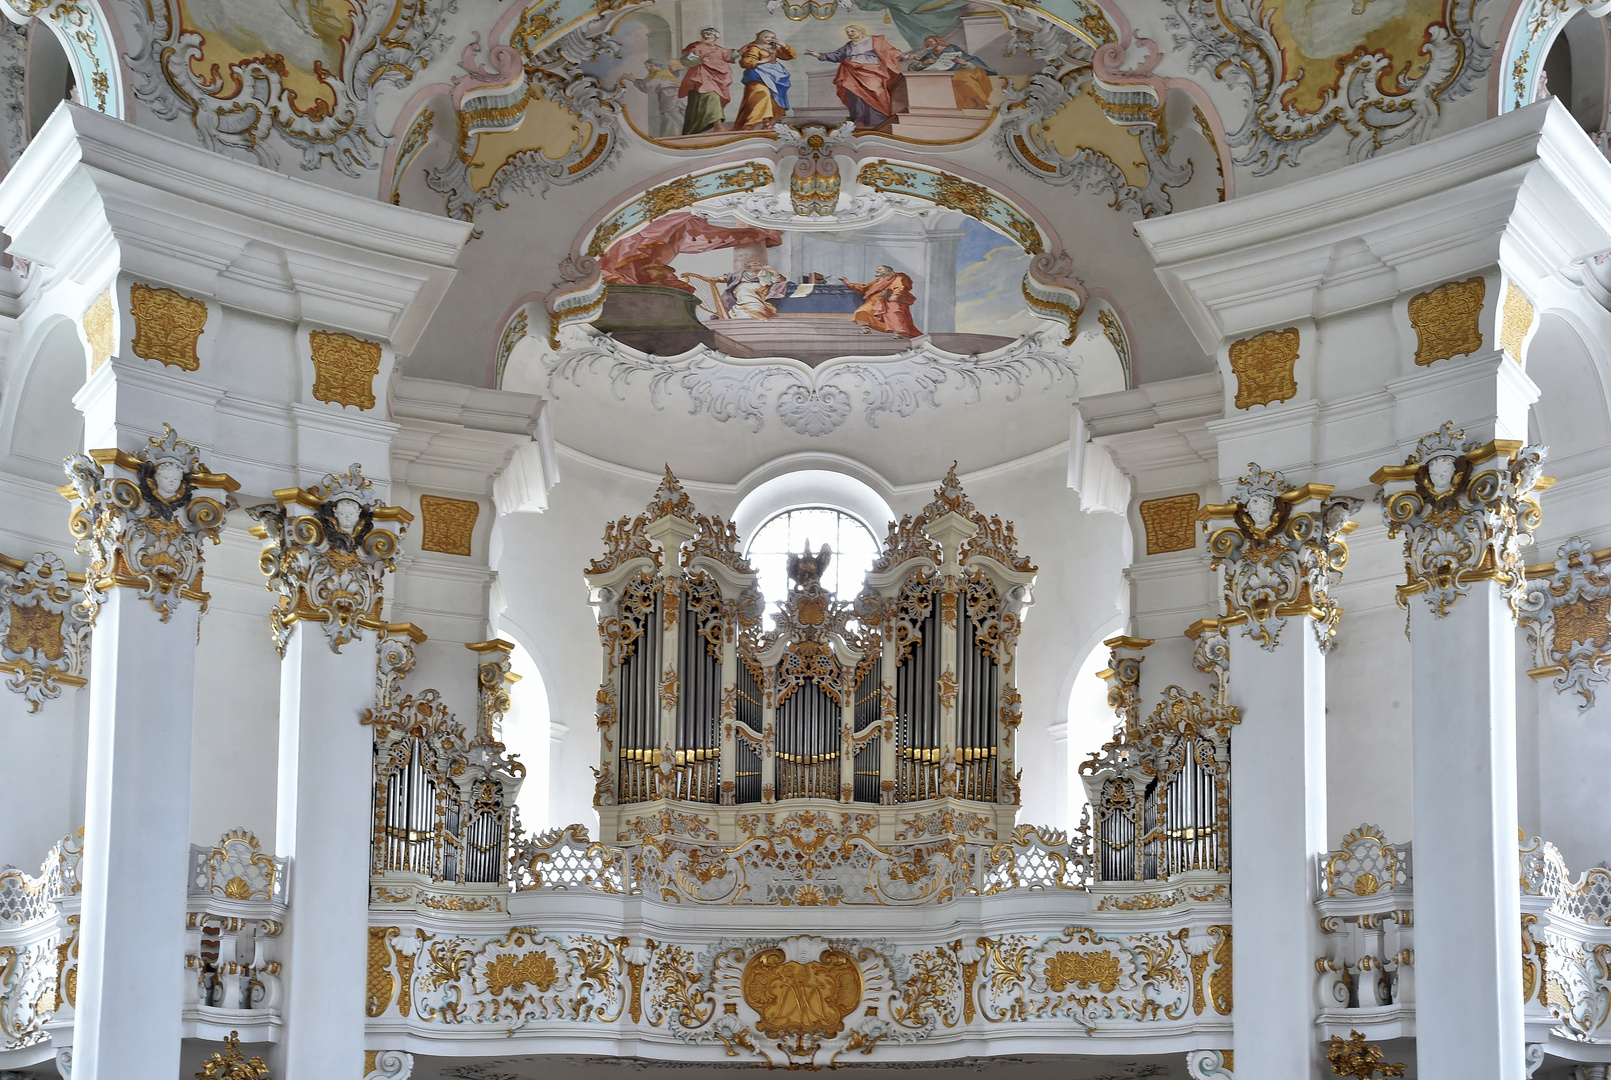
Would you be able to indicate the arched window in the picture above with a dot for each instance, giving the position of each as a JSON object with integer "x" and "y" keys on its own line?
{"x": 789, "y": 531}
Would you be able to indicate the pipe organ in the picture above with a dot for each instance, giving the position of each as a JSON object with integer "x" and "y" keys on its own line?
{"x": 444, "y": 796}
{"x": 900, "y": 695}
{"x": 1160, "y": 789}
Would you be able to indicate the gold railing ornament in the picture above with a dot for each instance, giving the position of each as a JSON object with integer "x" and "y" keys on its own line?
{"x": 327, "y": 549}
{"x": 1466, "y": 511}
{"x": 1279, "y": 560}
{"x": 141, "y": 518}
{"x": 45, "y": 620}
{"x": 1566, "y": 611}
{"x": 233, "y": 1064}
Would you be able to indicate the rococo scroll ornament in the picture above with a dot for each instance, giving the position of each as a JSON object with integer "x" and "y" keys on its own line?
{"x": 1387, "y": 81}
{"x": 1566, "y": 611}
{"x": 141, "y": 518}
{"x": 1278, "y": 560}
{"x": 318, "y": 93}
{"x": 45, "y": 620}
{"x": 1465, "y": 510}
{"x": 327, "y": 549}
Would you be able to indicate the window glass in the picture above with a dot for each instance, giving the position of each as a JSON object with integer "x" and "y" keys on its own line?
{"x": 854, "y": 550}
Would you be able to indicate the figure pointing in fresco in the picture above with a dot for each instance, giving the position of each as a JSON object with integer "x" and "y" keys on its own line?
{"x": 868, "y": 68}
{"x": 970, "y": 76}
{"x": 766, "y": 82}
{"x": 708, "y": 83}
{"x": 886, "y": 304}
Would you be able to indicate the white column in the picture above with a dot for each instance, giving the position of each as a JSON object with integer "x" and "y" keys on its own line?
{"x": 1468, "y": 983}
{"x": 324, "y": 826}
{"x": 1278, "y": 824}
{"x": 137, "y": 842}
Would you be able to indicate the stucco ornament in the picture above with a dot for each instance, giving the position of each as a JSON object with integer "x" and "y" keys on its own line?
{"x": 820, "y": 402}
{"x": 1377, "y": 95}
{"x": 319, "y": 93}
{"x": 1278, "y": 560}
{"x": 1566, "y": 612}
{"x": 45, "y": 621}
{"x": 327, "y": 549}
{"x": 495, "y": 97}
{"x": 1466, "y": 510}
{"x": 1067, "y": 75}
{"x": 141, "y": 518}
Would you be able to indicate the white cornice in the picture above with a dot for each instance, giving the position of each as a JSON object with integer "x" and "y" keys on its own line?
{"x": 1529, "y": 180}
{"x": 94, "y": 195}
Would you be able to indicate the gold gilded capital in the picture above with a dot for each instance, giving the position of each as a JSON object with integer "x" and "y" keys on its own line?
{"x": 327, "y": 549}
{"x": 1465, "y": 510}
{"x": 141, "y": 518}
{"x": 1277, "y": 558}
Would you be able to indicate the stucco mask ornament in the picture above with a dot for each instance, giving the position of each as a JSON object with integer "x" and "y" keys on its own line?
{"x": 168, "y": 478}
{"x": 1465, "y": 511}
{"x": 1280, "y": 561}
{"x": 141, "y": 518}
{"x": 1440, "y": 474}
{"x": 347, "y": 512}
{"x": 328, "y": 549}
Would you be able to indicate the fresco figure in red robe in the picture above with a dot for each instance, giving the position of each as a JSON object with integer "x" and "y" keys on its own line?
{"x": 708, "y": 83}
{"x": 868, "y": 69}
{"x": 886, "y": 304}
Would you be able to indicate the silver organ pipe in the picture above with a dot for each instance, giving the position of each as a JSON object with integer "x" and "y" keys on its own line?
{"x": 917, "y": 706}
{"x": 866, "y": 783}
{"x": 640, "y": 709}
{"x": 976, "y": 716}
{"x": 698, "y": 705}
{"x": 747, "y": 775}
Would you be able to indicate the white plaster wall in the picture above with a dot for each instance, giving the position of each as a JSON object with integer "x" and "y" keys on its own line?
{"x": 1368, "y": 725}
{"x": 234, "y": 757}
{"x": 42, "y": 793}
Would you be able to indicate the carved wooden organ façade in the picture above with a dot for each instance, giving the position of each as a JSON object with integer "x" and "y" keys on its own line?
{"x": 904, "y": 695}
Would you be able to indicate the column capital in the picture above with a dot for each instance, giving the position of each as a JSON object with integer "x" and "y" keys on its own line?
{"x": 141, "y": 518}
{"x": 494, "y": 677}
{"x": 326, "y": 550}
{"x": 1280, "y": 549}
{"x": 1466, "y": 510}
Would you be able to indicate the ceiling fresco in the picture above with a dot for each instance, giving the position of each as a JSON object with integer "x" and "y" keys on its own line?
{"x": 791, "y": 216}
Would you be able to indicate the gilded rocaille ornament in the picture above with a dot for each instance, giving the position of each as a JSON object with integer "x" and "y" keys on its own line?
{"x": 1279, "y": 561}
{"x": 327, "y": 549}
{"x": 141, "y": 518}
{"x": 45, "y": 621}
{"x": 1265, "y": 367}
{"x": 233, "y": 1064}
{"x": 1566, "y": 611}
{"x": 1354, "y": 1057}
{"x": 1465, "y": 510}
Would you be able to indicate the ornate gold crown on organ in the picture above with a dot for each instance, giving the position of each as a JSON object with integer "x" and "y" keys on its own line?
{"x": 898, "y": 700}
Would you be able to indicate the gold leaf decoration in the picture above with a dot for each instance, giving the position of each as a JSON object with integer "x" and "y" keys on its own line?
{"x": 344, "y": 368}
{"x": 1447, "y": 320}
{"x": 1170, "y": 523}
{"x": 1264, "y": 366}
{"x": 167, "y": 326}
{"x": 1517, "y": 320}
{"x": 1099, "y": 969}
{"x": 448, "y": 524}
{"x": 802, "y": 1000}
{"x": 98, "y": 330}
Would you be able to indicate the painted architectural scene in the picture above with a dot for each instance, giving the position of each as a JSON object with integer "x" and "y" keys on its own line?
{"x": 932, "y": 276}
{"x": 698, "y": 72}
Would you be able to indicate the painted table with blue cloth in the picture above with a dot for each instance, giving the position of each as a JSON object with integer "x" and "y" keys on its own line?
{"x": 835, "y": 299}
